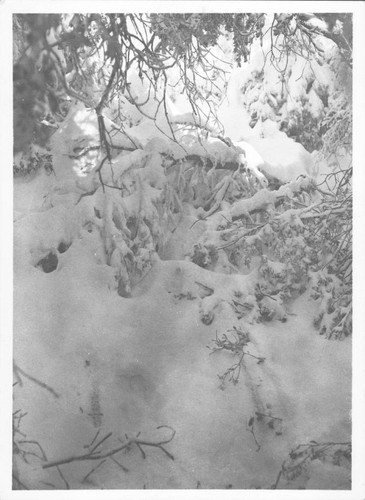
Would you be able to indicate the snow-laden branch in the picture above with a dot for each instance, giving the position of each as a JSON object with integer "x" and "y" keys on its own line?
{"x": 264, "y": 198}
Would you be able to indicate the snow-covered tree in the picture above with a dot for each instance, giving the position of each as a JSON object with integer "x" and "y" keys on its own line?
{"x": 211, "y": 150}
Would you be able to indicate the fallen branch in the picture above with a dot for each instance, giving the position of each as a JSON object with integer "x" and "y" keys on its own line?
{"x": 206, "y": 162}
{"x": 18, "y": 370}
{"x": 248, "y": 232}
{"x": 83, "y": 151}
{"x": 94, "y": 454}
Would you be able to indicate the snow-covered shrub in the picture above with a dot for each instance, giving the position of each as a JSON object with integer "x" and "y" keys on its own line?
{"x": 334, "y": 318}
{"x": 133, "y": 213}
{"x": 336, "y": 125}
{"x": 297, "y": 235}
{"x": 204, "y": 256}
{"x": 306, "y": 458}
{"x": 295, "y": 84}
{"x": 234, "y": 340}
{"x": 29, "y": 162}
{"x": 303, "y": 127}
{"x": 332, "y": 285}
{"x": 299, "y": 116}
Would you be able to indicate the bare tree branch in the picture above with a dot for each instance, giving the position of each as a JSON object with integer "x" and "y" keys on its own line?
{"x": 93, "y": 454}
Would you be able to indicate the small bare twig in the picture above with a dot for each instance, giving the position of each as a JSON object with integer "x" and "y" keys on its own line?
{"x": 119, "y": 464}
{"x": 260, "y": 359}
{"x": 250, "y": 429}
{"x": 141, "y": 450}
{"x": 259, "y": 414}
{"x": 98, "y": 455}
{"x": 89, "y": 193}
{"x": 83, "y": 151}
{"x": 235, "y": 343}
{"x": 94, "y": 439}
{"x": 275, "y": 485}
{"x": 100, "y": 442}
{"x": 27, "y": 441}
{"x": 18, "y": 370}
{"x": 46, "y": 483}
{"x": 208, "y": 289}
{"x": 63, "y": 478}
{"x": 93, "y": 470}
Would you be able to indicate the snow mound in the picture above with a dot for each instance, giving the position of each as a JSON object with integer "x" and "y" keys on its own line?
{"x": 283, "y": 158}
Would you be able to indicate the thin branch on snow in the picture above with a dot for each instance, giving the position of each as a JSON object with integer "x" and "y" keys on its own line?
{"x": 18, "y": 370}
{"x": 93, "y": 454}
{"x": 124, "y": 469}
{"x": 261, "y": 415}
{"x": 93, "y": 470}
{"x": 63, "y": 478}
{"x": 26, "y": 441}
{"x": 250, "y": 429}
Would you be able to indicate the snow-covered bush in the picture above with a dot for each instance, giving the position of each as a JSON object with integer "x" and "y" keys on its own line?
{"x": 29, "y": 162}
{"x": 334, "y": 319}
{"x": 306, "y": 458}
{"x": 298, "y": 235}
{"x": 234, "y": 341}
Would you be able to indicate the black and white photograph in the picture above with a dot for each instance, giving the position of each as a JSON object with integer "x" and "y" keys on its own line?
{"x": 181, "y": 249}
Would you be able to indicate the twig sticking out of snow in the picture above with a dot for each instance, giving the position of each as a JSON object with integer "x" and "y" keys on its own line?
{"x": 261, "y": 415}
{"x": 32, "y": 441}
{"x": 119, "y": 464}
{"x": 17, "y": 370}
{"x": 235, "y": 343}
{"x": 93, "y": 470}
{"x": 94, "y": 454}
{"x": 336, "y": 453}
{"x": 250, "y": 428}
{"x": 63, "y": 478}
{"x": 18, "y": 449}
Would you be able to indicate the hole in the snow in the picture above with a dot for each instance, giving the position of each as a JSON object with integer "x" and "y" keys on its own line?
{"x": 124, "y": 289}
{"x": 62, "y": 247}
{"x": 132, "y": 225}
{"x": 48, "y": 263}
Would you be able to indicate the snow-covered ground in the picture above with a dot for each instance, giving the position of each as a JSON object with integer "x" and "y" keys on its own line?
{"x": 136, "y": 364}
{"x": 130, "y": 365}
{"x": 90, "y": 362}
{"x": 142, "y": 362}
